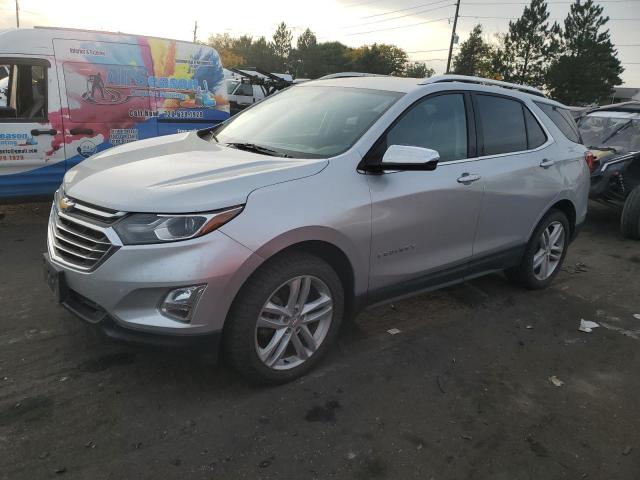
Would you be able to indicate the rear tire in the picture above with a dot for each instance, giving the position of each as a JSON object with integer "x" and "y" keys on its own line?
{"x": 539, "y": 264}
{"x": 630, "y": 220}
{"x": 269, "y": 313}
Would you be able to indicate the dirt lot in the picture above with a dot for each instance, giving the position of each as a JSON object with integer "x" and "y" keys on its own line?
{"x": 462, "y": 392}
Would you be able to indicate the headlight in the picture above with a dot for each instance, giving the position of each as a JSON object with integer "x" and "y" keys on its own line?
{"x": 144, "y": 228}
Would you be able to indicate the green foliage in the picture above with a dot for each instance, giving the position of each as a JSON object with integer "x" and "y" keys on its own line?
{"x": 529, "y": 47}
{"x": 281, "y": 45}
{"x": 475, "y": 56}
{"x": 588, "y": 68}
{"x": 311, "y": 59}
{"x": 418, "y": 70}
{"x": 379, "y": 58}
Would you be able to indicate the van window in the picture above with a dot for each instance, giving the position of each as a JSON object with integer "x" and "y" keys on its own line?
{"x": 439, "y": 123}
{"x": 23, "y": 92}
{"x": 244, "y": 89}
{"x": 502, "y": 128}
{"x": 562, "y": 119}
{"x": 535, "y": 134}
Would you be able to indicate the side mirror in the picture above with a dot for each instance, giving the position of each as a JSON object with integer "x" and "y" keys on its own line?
{"x": 404, "y": 157}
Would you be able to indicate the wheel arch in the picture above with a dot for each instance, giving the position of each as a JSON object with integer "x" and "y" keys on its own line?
{"x": 564, "y": 205}
{"x": 329, "y": 245}
{"x": 568, "y": 208}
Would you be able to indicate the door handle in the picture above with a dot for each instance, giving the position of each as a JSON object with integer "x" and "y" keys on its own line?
{"x": 43, "y": 131}
{"x": 81, "y": 131}
{"x": 547, "y": 163}
{"x": 468, "y": 178}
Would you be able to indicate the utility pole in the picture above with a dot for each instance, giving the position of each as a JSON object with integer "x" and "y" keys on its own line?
{"x": 195, "y": 31}
{"x": 17, "y": 15}
{"x": 453, "y": 35}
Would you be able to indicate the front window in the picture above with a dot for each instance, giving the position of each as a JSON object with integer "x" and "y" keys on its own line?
{"x": 619, "y": 131}
{"x": 231, "y": 86}
{"x": 308, "y": 121}
{"x": 23, "y": 92}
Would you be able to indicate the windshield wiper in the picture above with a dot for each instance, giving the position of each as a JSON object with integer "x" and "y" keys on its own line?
{"x": 616, "y": 131}
{"x": 252, "y": 147}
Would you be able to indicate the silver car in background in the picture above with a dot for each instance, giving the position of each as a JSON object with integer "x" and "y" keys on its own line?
{"x": 260, "y": 235}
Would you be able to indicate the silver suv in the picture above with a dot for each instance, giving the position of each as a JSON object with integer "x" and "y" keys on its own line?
{"x": 260, "y": 235}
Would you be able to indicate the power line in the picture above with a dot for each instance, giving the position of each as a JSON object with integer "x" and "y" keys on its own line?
{"x": 401, "y": 16}
{"x": 561, "y": 2}
{"x": 404, "y": 9}
{"x": 361, "y": 3}
{"x": 395, "y": 28}
{"x": 557, "y": 18}
{"x": 433, "y": 50}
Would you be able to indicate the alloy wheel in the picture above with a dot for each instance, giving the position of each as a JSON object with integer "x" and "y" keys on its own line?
{"x": 550, "y": 249}
{"x": 293, "y": 322}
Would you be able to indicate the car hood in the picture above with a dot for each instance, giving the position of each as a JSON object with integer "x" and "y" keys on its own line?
{"x": 179, "y": 174}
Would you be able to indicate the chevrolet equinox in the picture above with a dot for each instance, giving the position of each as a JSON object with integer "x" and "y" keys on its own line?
{"x": 258, "y": 236}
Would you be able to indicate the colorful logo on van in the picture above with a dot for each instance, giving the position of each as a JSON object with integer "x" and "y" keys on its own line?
{"x": 123, "y": 83}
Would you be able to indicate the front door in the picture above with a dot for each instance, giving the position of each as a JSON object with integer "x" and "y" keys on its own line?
{"x": 423, "y": 223}
{"x": 31, "y": 155}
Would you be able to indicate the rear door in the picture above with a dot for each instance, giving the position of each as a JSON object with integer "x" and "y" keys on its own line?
{"x": 31, "y": 155}
{"x": 423, "y": 223}
{"x": 521, "y": 180}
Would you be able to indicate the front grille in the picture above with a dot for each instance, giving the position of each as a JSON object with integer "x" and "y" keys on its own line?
{"x": 77, "y": 235}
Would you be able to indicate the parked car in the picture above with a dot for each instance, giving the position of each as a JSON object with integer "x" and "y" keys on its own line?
{"x": 74, "y": 93}
{"x": 612, "y": 133}
{"x": 261, "y": 235}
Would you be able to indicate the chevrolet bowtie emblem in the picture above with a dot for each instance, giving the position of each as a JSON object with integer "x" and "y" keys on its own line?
{"x": 65, "y": 204}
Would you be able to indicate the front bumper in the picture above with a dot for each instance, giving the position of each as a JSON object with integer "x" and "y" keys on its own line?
{"x": 122, "y": 295}
{"x": 82, "y": 307}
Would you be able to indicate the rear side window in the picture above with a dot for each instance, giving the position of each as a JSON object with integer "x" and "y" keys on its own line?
{"x": 535, "y": 134}
{"x": 562, "y": 119}
{"x": 502, "y": 127}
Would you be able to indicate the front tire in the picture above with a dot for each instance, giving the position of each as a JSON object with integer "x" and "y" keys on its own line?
{"x": 630, "y": 220}
{"x": 544, "y": 254}
{"x": 284, "y": 319}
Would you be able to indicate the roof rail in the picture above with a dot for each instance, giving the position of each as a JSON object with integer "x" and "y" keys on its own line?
{"x": 350, "y": 74}
{"x": 482, "y": 81}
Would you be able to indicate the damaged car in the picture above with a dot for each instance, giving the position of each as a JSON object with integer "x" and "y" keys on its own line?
{"x": 612, "y": 133}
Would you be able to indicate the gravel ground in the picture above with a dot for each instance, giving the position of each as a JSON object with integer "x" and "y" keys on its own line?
{"x": 463, "y": 391}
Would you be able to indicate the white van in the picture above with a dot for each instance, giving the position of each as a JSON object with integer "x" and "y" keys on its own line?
{"x": 67, "y": 94}
{"x": 242, "y": 93}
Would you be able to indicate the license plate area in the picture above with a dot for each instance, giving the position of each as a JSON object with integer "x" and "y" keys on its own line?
{"x": 54, "y": 278}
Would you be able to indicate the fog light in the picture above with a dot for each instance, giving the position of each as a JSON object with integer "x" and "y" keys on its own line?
{"x": 180, "y": 303}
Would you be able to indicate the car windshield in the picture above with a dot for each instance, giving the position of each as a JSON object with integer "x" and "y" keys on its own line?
{"x": 617, "y": 130}
{"x": 307, "y": 121}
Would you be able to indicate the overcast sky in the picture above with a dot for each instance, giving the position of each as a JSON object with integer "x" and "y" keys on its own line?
{"x": 345, "y": 20}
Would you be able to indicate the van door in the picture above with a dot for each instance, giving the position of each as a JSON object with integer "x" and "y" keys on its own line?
{"x": 31, "y": 153}
{"x": 424, "y": 222}
{"x": 106, "y": 95}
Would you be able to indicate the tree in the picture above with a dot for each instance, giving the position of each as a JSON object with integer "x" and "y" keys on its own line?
{"x": 307, "y": 55}
{"x": 475, "y": 56}
{"x": 588, "y": 68}
{"x": 529, "y": 46}
{"x": 282, "y": 46}
{"x": 379, "y": 58}
{"x": 334, "y": 57}
{"x": 225, "y": 46}
{"x": 418, "y": 70}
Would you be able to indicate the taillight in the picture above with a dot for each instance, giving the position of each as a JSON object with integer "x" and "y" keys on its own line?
{"x": 590, "y": 158}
